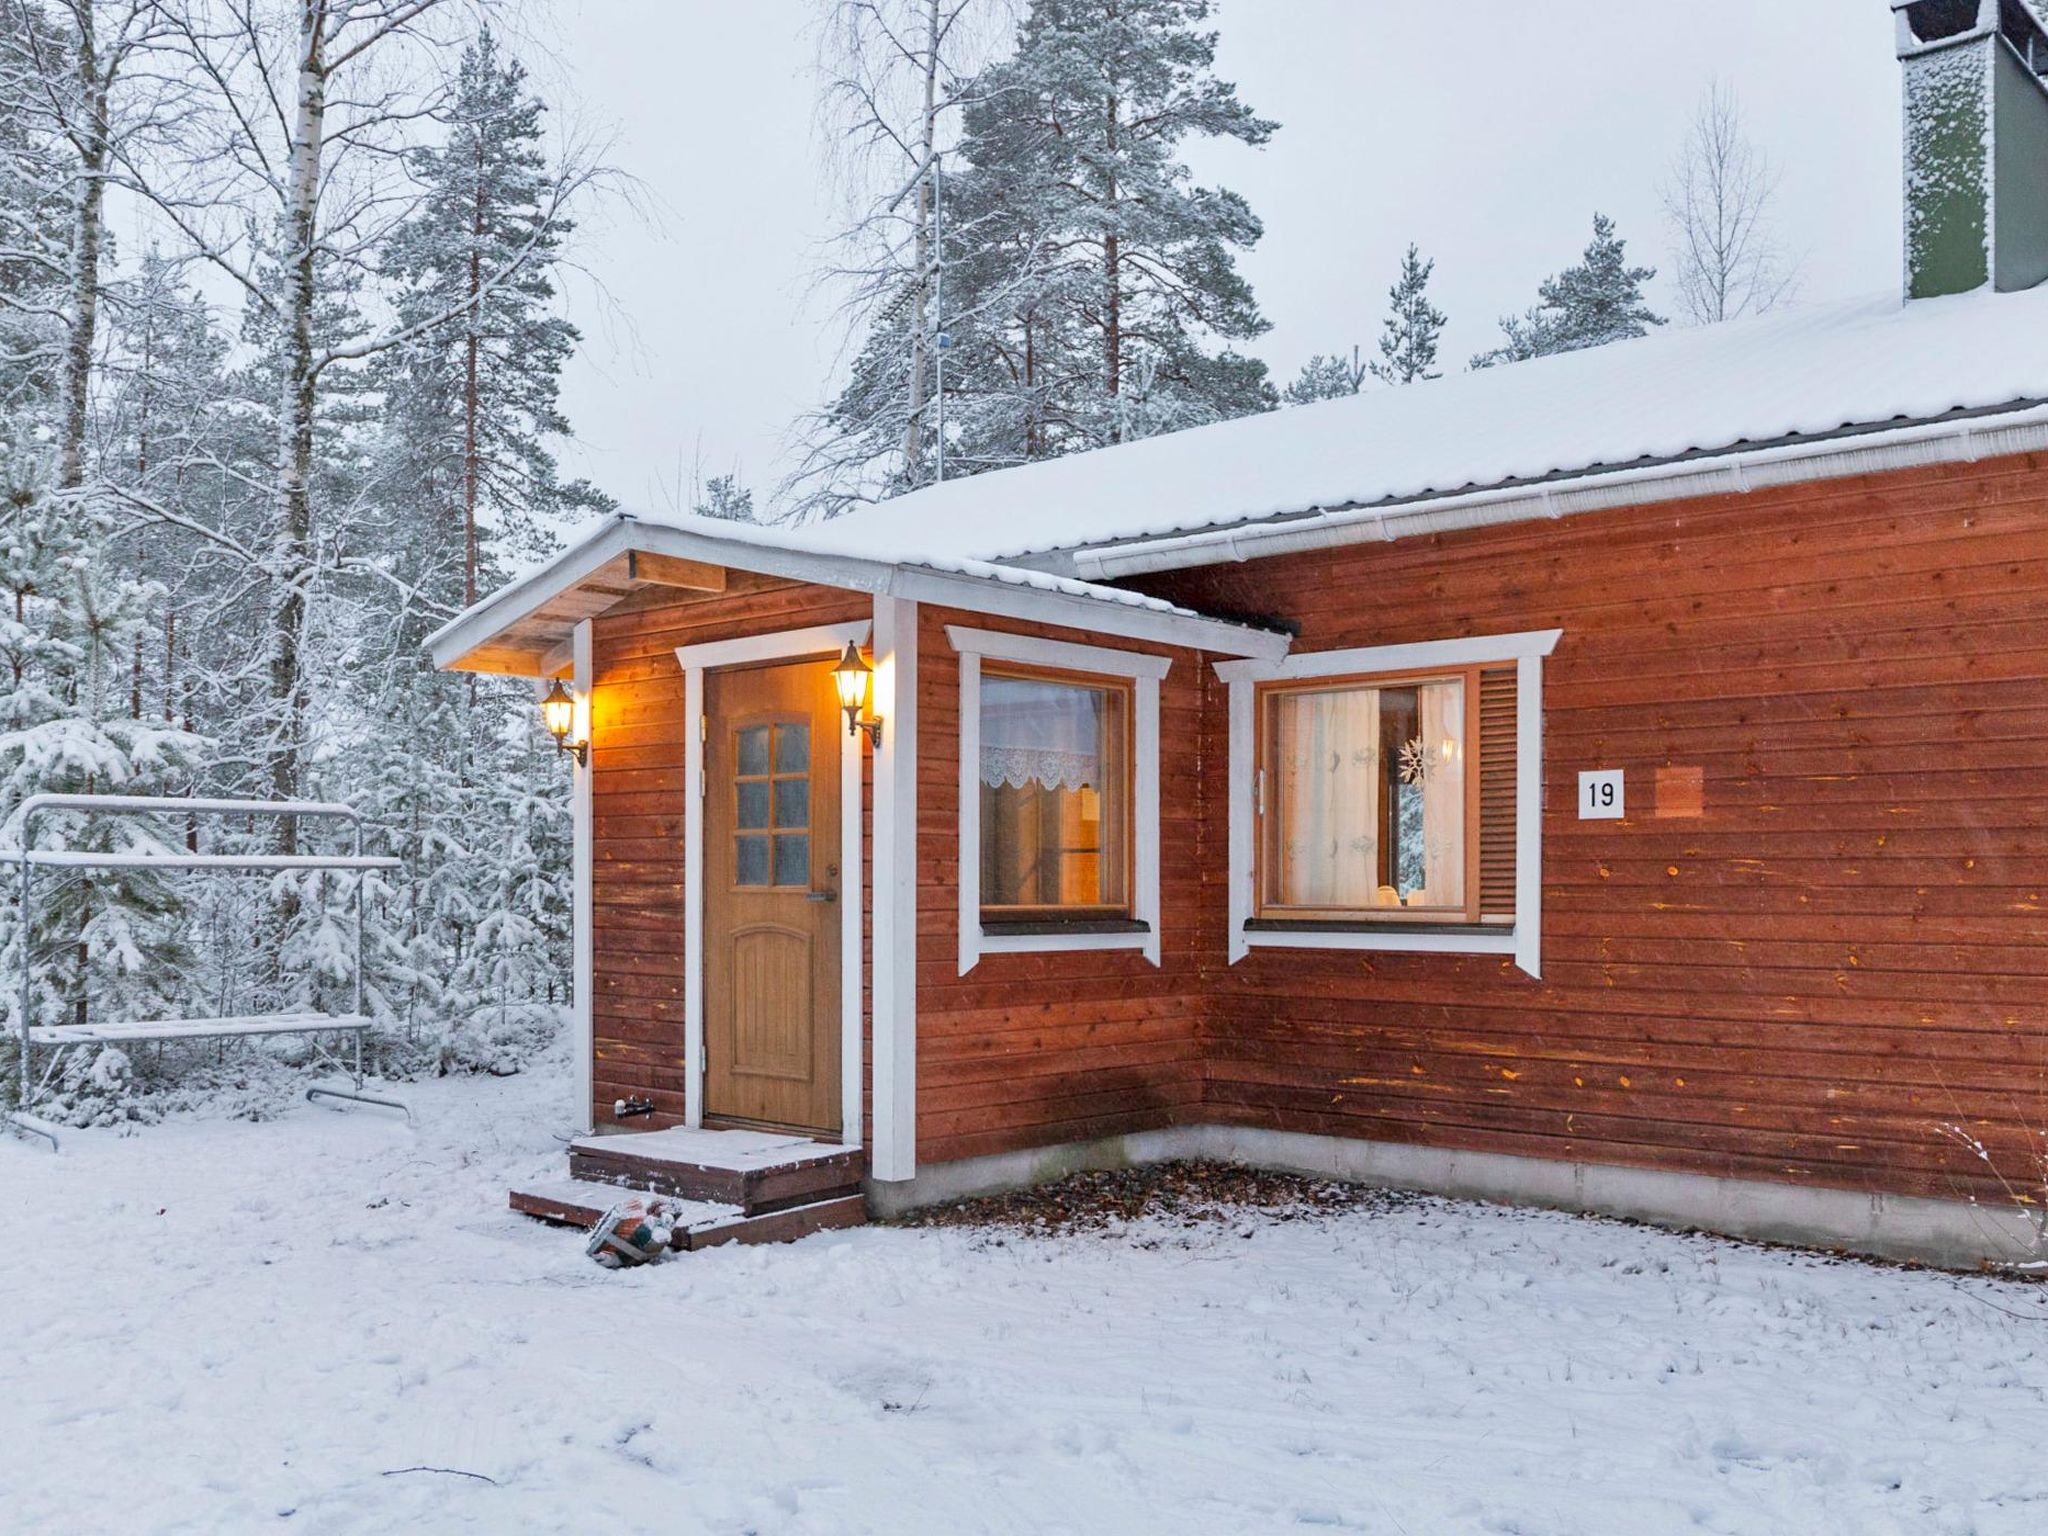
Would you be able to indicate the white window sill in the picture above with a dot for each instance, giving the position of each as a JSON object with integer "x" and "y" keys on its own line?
{"x": 1479, "y": 941}
{"x": 1053, "y": 943}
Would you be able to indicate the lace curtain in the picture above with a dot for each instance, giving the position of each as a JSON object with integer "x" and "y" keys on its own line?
{"x": 1042, "y": 733}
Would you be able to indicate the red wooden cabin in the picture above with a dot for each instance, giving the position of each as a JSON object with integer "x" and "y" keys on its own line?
{"x": 1614, "y": 782}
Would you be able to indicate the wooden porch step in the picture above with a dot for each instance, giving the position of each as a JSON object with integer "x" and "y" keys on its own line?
{"x": 755, "y": 1170}
{"x": 697, "y": 1223}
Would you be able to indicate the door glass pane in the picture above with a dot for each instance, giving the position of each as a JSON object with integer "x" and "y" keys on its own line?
{"x": 753, "y": 803}
{"x": 1055, "y": 788}
{"x": 751, "y": 861}
{"x": 792, "y": 802}
{"x": 793, "y": 859}
{"x": 793, "y": 749}
{"x": 754, "y": 749}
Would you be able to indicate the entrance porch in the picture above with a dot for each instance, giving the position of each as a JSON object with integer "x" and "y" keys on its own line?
{"x": 717, "y": 1187}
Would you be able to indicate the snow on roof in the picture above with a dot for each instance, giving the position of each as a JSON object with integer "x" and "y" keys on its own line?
{"x": 1799, "y": 373}
{"x": 519, "y": 627}
{"x": 834, "y": 540}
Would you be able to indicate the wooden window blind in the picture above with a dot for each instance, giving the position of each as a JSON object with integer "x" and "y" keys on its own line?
{"x": 1497, "y": 687}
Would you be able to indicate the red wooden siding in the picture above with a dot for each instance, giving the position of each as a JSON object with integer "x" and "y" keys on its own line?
{"x": 1819, "y": 941}
{"x": 1031, "y": 1050}
{"x": 1840, "y": 953}
{"x": 638, "y": 736}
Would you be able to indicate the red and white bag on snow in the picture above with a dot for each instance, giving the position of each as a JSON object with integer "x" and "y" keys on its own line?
{"x": 633, "y": 1232}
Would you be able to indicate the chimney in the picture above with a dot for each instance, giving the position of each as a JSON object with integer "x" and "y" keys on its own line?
{"x": 1976, "y": 99}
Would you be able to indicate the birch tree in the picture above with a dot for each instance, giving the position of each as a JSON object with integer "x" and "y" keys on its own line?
{"x": 296, "y": 187}
{"x": 33, "y": 256}
{"x": 894, "y": 77}
{"x": 76, "y": 74}
{"x": 215, "y": 570}
{"x": 1719, "y": 198}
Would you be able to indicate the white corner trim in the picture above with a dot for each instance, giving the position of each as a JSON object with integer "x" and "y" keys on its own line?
{"x": 1145, "y": 672}
{"x": 696, "y": 660}
{"x": 583, "y": 866}
{"x": 895, "y": 892}
{"x": 1527, "y": 649}
{"x": 852, "y": 921}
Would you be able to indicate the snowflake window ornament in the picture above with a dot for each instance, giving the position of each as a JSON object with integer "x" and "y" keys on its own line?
{"x": 1414, "y": 762}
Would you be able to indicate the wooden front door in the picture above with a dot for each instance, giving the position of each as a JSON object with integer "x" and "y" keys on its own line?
{"x": 772, "y": 887}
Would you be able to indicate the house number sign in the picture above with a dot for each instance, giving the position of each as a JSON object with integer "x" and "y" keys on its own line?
{"x": 1600, "y": 797}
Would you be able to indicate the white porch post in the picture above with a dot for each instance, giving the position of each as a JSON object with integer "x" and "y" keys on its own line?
{"x": 583, "y": 981}
{"x": 895, "y": 891}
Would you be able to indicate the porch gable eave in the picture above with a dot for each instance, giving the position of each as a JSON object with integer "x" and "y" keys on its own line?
{"x": 524, "y": 628}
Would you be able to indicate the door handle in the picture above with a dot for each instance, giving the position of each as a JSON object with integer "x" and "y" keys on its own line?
{"x": 821, "y": 895}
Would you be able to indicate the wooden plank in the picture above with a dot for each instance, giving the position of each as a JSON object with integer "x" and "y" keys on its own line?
{"x": 673, "y": 571}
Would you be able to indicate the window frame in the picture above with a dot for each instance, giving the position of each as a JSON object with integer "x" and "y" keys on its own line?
{"x": 1042, "y": 930}
{"x": 1076, "y": 914}
{"x": 1521, "y": 940}
{"x": 1267, "y": 793}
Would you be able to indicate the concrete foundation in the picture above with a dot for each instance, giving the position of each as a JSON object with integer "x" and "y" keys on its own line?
{"x": 1950, "y": 1234}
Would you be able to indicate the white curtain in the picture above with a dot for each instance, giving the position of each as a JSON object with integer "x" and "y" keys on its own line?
{"x": 1443, "y": 796}
{"x": 1329, "y": 760}
{"x": 1040, "y": 733}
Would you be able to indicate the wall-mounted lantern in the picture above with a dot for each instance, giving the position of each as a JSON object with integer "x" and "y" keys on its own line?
{"x": 559, "y": 711}
{"x": 851, "y": 677}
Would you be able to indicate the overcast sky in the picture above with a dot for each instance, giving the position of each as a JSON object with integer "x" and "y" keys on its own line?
{"x": 1487, "y": 131}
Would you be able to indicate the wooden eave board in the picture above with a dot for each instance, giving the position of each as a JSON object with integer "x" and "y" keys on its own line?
{"x": 522, "y": 647}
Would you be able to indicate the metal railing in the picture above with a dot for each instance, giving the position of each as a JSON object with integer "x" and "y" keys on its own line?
{"x": 315, "y": 1026}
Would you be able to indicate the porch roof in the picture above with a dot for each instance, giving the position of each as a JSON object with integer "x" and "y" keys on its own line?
{"x": 523, "y": 629}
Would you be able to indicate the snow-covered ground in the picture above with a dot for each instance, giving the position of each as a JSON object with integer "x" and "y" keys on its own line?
{"x": 219, "y": 1327}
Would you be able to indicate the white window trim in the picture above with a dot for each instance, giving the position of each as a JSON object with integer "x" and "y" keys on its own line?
{"x": 1527, "y": 649}
{"x": 748, "y": 650}
{"x": 1145, "y": 672}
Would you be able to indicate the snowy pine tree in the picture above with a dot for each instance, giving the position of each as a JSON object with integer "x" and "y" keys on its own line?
{"x": 724, "y": 497}
{"x": 477, "y": 387}
{"x": 1408, "y": 336}
{"x": 1091, "y": 293}
{"x": 895, "y": 76}
{"x": 228, "y": 588}
{"x": 1120, "y": 299}
{"x": 1328, "y": 378}
{"x": 72, "y": 722}
{"x": 1598, "y": 301}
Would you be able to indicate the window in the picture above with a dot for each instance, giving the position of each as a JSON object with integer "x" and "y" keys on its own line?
{"x": 1055, "y": 797}
{"x": 1369, "y": 810}
{"x": 772, "y": 817}
{"x": 1389, "y": 798}
{"x": 1059, "y": 796}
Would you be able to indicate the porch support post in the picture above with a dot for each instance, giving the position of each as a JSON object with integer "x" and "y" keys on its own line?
{"x": 895, "y": 891}
{"x": 583, "y": 981}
